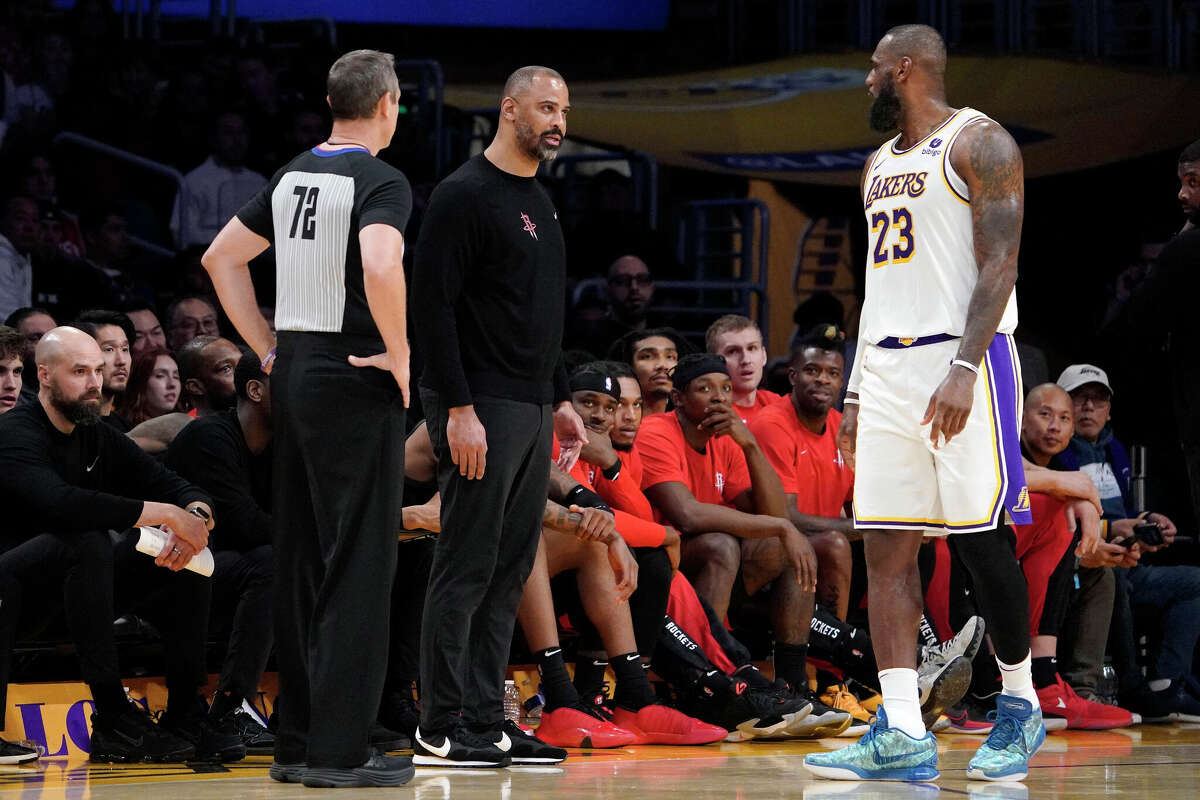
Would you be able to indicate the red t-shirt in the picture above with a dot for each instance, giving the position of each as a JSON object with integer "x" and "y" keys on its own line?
{"x": 634, "y": 520}
{"x": 809, "y": 464}
{"x": 716, "y": 476}
{"x": 762, "y": 399}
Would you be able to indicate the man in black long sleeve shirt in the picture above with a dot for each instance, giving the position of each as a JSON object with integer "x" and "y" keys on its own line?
{"x": 488, "y": 295}
{"x": 65, "y": 480}
{"x": 228, "y": 454}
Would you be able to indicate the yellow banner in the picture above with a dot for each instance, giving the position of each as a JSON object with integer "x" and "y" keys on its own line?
{"x": 805, "y": 118}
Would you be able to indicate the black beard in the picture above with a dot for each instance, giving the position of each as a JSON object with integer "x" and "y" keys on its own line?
{"x": 885, "y": 110}
{"x": 77, "y": 412}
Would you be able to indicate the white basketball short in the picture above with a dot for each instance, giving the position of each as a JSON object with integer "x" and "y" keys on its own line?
{"x": 902, "y": 481}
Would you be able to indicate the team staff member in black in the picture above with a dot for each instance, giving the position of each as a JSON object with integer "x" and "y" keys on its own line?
{"x": 65, "y": 480}
{"x": 488, "y": 291}
{"x": 336, "y": 216}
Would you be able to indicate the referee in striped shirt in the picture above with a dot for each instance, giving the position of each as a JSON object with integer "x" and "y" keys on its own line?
{"x": 339, "y": 388}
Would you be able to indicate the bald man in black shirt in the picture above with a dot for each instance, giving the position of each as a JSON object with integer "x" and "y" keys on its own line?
{"x": 65, "y": 480}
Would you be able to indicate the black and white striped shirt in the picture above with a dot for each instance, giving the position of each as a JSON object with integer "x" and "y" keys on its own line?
{"x": 312, "y": 211}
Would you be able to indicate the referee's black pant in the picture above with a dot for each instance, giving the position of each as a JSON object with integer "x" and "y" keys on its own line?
{"x": 338, "y": 485}
{"x": 489, "y": 537}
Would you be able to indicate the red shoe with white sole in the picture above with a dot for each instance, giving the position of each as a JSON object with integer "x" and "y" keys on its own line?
{"x": 658, "y": 724}
{"x": 570, "y": 727}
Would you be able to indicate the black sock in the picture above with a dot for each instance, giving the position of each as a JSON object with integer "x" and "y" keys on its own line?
{"x": 789, "y": 664}
{"x": 182, "y": 704}
{"x": 1045, "y": 671}
{"x": 589, "y": 674}
{"x": 556, "y": 682}
{"x": 110, "y": 699}
{"x": 633, "y": 687}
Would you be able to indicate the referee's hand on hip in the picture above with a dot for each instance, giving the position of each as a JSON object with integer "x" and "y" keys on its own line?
{"x": 395, "y": 364}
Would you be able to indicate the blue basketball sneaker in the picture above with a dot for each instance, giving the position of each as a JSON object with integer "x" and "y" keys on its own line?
{"x": 882, "y": 754}
{"x": 1017, "y": 734}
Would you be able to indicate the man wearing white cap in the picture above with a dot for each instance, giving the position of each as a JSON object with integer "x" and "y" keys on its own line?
{"x": 1171, "y": 593}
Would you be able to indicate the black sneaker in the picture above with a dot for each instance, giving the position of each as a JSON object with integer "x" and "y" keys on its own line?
{"x": 522, "y": 747}
{"x": 13, "y": 753}
{"x": 217, "y": 740}
{"x": 822, "y": 722}
{"x": 258, "y": 740}
{"x": 378, "y": 770}
{"x": 745, "y": 711}
{"x": 131, "y": 736}
{"x": 286, "y": 773}
{"x": 458, "y": 748}
{"x": 385, "y": 740}
{"x": 399, "y": 712}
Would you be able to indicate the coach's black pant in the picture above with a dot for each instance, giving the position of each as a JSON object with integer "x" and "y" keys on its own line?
{"x": 242, "y": 604}
{"x": 489, "y": 537}
{"x": 338, "y": 485}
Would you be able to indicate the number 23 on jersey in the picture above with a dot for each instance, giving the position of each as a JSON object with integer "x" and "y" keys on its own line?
{"x": 895, "y": 228}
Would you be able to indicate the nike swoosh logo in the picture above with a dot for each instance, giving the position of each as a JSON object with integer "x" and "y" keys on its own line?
{"x": 599, "y": 663}
{"x": 803, "y": 452}
{"x": 94, "y": 463}
{"x": 505, "y": 744}
{"x": 441, "y": 752}
{"x": 893, "y": 759}
{"x": 553, "y": 652}
{"x": 632, "y": 657}
{"x": 1061, "y": 704}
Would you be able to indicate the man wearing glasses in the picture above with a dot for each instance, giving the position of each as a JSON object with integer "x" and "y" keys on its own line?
{"x": 630, "y": 291}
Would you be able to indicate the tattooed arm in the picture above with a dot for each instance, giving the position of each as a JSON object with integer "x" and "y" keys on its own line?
{"x": 990, "y": 162}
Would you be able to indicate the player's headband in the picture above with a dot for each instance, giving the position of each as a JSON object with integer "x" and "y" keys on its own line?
{"x": 596, "y": 382}
{"x": 692, "y": 367}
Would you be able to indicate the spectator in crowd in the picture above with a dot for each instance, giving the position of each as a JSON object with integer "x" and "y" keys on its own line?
{"x": 73, "y": 480}
{"x": 32, "y": 324}
{"x": 652, "y": 353}
{"x": 738, "y": 340}
{"x": 12, "y": 344}
{"x": 798, "y": 437}
{"x": 1169, "y": 593}
{"x": 39, "y": 182}
{"x": 215, "y": 190}
{"x": 228, "y": 455}
{"x": 1162, "y": 312}
{"x": 706, "y": 475}
{"x": 24, "y": 104}
{"x": 1062, "y": 501}
{"x": 18, "y": 239}
{"x": 112, "y": 331}
{"x": 188, "y": 317}
{"x": 148, "y": 330}
{"x": 110, "y": 253}
{"x": 206, "y": 367}
{"x": 153, "y": 388}
{"x": 630, "y": 293}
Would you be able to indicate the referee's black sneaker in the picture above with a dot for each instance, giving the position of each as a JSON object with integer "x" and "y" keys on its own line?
{"x": 378, "y": 770}
{"x": 131, "y": 736}
{"x": 215, "y": 739}
{"x": 460, "y": 747}
{"x": 523, "y": 748}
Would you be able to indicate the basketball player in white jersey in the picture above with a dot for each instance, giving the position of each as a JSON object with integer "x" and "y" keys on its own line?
{"x": 932, "y": 408}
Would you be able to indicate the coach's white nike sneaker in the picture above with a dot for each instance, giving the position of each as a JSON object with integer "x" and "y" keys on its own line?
{"x": 460, "y": 747}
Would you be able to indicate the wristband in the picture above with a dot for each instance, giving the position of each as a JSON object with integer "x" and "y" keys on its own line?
{"x": 200, "y": 512}
{"x": 612, "y": 472}
{"x": 958, "y": 362}
{"x": 268, "y": 359}
{"x": 851, "y": 400}
{"x": 586, "y": 498}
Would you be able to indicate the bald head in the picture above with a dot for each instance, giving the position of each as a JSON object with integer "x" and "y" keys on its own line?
{"x": 1048, "y": 423}
{"x": 920, "y": 43}
{"x": 521, "y": 81}
{"x": 65, "y": 344}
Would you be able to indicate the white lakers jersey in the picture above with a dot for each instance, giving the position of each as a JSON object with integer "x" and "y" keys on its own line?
{"x": 921, "y": 266}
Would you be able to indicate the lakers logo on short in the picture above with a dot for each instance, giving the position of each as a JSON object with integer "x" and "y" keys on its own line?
{"x": 1022, "y": 500}
{"x": 906, "y": 342}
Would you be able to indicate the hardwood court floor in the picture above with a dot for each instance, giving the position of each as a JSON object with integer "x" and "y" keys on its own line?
{"x": 1148, "y": 761}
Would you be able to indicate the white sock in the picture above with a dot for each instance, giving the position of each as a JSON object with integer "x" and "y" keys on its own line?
{"x": 1018, "y": 680}
{"x": 901, "y": 701}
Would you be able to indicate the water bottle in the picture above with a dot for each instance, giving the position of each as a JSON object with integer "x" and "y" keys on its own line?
{"x": 512, "y": 702}
{"x": 1107, "y": 686}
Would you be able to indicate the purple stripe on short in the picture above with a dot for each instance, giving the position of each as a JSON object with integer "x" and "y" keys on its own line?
{"x": 1004, "y": 372}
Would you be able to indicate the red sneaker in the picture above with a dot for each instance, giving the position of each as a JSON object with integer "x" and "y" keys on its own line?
{"x": 570, "y": 727}
{"x": 657, "y": 724}
{"x": 1059, "y": 701}
{"x": 967, "y": 716}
